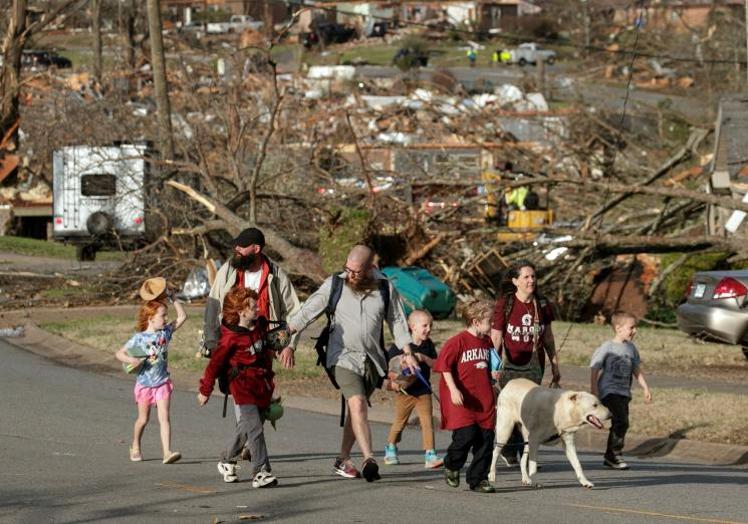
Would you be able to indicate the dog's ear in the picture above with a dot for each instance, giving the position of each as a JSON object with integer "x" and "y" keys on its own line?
{"x": 573, "y": 397}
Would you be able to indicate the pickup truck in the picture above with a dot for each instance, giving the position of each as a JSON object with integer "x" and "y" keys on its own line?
{"x": 236, "y": 24}
{"x": 531, "y": 53}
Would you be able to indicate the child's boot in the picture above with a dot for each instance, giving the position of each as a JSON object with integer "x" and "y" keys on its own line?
{"x": 431, "y": 460}
{"x": 390, "y": 455}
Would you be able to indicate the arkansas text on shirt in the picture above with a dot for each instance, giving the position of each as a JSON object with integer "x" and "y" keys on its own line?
{"x": 517, "y": 329}
{"x": 466, "y": 357}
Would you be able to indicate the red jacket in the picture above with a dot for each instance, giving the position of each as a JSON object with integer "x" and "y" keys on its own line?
{"x": 242, "y": 349}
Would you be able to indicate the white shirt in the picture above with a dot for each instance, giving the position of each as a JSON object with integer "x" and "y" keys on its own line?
{"x": 252, "y": 280}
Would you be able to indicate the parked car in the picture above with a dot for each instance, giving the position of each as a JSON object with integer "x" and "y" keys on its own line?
{"x": 408, "y": 58}
{"x": 235, "y": 24}
{"x": 531, "y": 53}
{"x": 419, "y": 289}
{"x": 716, "y": 307}
{"x": 328, "y": 33}
{"x": 44, "y": 59}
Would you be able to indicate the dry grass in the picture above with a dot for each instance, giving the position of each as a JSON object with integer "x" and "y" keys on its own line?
{"x": 665, "y": 351}
{"x": 695, "y": 414}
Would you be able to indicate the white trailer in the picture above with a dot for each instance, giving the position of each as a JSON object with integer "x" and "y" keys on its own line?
{"x": 100, "y": 196}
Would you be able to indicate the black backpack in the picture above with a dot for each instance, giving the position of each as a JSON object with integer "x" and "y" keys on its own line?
{"x": 323, "y": 340}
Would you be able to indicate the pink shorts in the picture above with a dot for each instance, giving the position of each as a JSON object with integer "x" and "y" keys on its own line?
{"x": 151, "y": 395}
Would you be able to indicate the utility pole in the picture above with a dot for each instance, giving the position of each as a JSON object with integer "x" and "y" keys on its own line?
{"x": 158, "y": 67}
{"x": 746, "y": 43}
{"x": 96, "y": 22}
{"x": 586, "y": 15}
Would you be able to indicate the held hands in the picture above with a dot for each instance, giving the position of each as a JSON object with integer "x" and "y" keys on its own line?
{"x": 409, "y": 361}
{"x": 456, "y": 397}
{"x": 202, "y": 399}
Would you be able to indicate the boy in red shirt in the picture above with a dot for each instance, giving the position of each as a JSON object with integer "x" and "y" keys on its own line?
{"x": 468, "y": 404}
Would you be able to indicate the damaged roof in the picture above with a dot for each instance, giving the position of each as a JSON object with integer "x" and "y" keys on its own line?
{"x": 731, "y": 141}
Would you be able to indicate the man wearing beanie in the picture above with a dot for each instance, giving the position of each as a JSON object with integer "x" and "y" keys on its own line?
{"x": 249, "y": 268}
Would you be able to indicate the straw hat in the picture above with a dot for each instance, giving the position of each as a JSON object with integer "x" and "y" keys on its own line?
{"x": 152, "y": 288}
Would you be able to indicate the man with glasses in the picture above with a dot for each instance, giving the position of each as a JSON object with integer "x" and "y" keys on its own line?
{"x": 354, "y": 351}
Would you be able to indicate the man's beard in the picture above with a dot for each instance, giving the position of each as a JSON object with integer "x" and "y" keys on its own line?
{"x": 363, "y": 286}
{"x": 243, "y": 262}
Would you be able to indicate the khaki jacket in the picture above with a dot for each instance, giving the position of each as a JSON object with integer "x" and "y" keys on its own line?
{"x": 283, "y": 300}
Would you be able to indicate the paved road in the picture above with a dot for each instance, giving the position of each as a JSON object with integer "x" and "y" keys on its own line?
{"x": 63, "y": 447}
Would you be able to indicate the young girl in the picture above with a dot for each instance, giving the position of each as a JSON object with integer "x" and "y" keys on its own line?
{"x": 241, "y": 350}
{"x": 152, "y": 385}
{"x": 468, "y": 405}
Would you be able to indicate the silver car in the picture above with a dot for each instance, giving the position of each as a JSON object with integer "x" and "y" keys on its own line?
{"x": 717, "y": 307}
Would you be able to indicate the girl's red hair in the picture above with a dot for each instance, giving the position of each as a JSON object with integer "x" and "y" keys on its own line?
{"x": 236, "y": 300}
{"x": 147, "y": 310}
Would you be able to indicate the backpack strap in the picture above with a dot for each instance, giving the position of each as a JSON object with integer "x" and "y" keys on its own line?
{"x": 384, "y": 291}
{"x": 336, "y": 289}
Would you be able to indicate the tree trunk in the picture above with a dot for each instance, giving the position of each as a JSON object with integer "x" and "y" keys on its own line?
{"x": 129, "y": 35}
{"x": 11, "y": 74}
{"x": 267, "y": 23}
{"x": 96, "y": 27}
{"x": 295, "y": 260}
{"x": 158, "y": 66}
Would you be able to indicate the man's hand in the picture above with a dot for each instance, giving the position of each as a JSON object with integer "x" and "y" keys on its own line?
{"x": 409, "y": 362}
{"x": 202, "y": 399}
{"x": 287, "y": 358}
{"x": 456, "y": 397}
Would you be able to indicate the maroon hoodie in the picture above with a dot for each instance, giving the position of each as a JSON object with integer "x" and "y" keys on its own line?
{"x": 242, "y": 348}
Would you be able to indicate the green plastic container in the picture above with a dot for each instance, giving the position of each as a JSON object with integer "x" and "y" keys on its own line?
{"x": 419, "y": 289}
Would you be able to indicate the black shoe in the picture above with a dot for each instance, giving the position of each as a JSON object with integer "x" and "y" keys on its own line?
{"x": 615, "y": 462}
{"x": 483, "y": 487}
{"x": 452, "y": 477}
{"x": 370, "y": 470}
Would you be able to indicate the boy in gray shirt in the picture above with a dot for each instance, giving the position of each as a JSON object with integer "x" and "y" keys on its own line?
{"x": 613, "y": 365}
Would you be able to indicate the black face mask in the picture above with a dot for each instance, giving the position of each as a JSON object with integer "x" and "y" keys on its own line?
{"x": 240, "y": 262}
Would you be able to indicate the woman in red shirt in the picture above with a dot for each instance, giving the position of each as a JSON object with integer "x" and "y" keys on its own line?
{"x": 468, "y": 403}
{"x": 522, "y": 336}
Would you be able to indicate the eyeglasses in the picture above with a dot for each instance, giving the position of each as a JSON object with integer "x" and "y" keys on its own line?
{"x": 355, "y": 273}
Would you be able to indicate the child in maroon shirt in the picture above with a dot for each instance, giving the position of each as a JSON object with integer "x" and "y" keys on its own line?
{"x": 468, "y": 404}
{"x": 242, "y": 351}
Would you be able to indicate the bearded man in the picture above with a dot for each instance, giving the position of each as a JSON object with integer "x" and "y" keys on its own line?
{"x": 250, "y": 268}
{"x": 354, "y": 352}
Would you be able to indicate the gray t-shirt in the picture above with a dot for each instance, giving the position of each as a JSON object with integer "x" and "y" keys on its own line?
{"x": 617, "y": 361}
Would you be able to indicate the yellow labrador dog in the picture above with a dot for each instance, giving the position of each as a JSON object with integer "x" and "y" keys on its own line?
{"x": 545, "y": 416}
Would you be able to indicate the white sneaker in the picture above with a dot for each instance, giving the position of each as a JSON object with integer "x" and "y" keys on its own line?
{"x": 228, "y": 470}
{"x": 264, "y": 479}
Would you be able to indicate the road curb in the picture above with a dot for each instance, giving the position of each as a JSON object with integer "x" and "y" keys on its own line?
{"x": 69, "y": 353}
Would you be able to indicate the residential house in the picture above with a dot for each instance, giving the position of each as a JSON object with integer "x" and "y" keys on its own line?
{"x": 678, "y": 15}
{"x": 729, "y": 167}
{"x": 478, "y": 14}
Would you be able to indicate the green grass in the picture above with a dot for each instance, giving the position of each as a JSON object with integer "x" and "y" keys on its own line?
{"x": 42, "y": 248}
{"x": 57, "y": 293}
